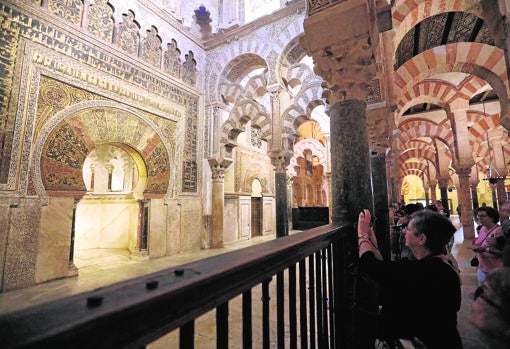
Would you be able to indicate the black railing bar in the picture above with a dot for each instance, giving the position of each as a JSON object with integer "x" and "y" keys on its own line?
{"x": 187, "y": 335}
{"x": 303, "y": 318}
{"x": 180, "y": 288}
{"x": 247, "y": 320}
{"x": 292, "y": 307}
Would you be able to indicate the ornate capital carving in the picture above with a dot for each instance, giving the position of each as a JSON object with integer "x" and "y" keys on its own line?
{"x": 218, "y": 174}
{"x": 275, "y": 96}
{"x": 218, "y": 166}
{"x": 463, "y": 172}
{"x": 348, "y": 67}
{"x": 280, "y": 160}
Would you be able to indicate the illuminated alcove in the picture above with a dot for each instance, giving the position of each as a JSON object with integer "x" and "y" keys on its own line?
{"x": 107, "y": 217}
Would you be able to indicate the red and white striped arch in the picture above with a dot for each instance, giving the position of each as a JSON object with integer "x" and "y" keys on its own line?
{"x": 479, "y": 129}
{"x": 429, "y": 91}
{"x": 429, "y": 130}
{"x": 426, "y": 154}
{"x": 484, "y": 61}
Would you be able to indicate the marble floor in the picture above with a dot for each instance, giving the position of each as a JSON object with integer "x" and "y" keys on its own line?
{"x": 102, "y": 267}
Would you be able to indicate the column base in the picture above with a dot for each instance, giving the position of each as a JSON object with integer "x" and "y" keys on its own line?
{"x": 72, "y": 270}
{"x": 141, "y": 255}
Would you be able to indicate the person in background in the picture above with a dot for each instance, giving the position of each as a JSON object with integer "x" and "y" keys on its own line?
{"x": 486, "y": 244}
{"x": 419, "y": 299}
{"x": 399, "y": 250}
{"x": 505, "y": 229}
{"x": 441, "y": 209}
{"x": 490, "y": 309}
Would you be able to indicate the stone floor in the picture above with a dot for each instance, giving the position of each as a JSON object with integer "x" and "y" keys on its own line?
{"x": 103, "y": 267}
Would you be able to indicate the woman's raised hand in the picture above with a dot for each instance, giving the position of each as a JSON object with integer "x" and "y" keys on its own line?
{"x": 364, "y": 223}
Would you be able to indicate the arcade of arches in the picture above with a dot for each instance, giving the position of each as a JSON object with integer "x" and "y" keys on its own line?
{"x": 145, "y": 126}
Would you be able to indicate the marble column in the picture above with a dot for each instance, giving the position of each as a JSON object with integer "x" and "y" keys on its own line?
{"x": 433, "y": 195}
{"x": 72, "y": 270}
{"x": 280, "y": 161}
{"x": 350, "y": 161}
{"x": 466, "y": 209}
{"x": 426, "y": 189}
{"x": 443, "y": 189}
{"x": 474, "y": 196}
{"x": 142, "y": 251}
{"x": 501, "y": 191}
{"x": 381, "y": 205}
{"x": 218, "y": 201}
{"x": 494, "y": 194}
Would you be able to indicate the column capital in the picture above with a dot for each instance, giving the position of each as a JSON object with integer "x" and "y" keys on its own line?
{"x": 347, "y": 67}
{"x": 463, "y": 171}
{"x": 443, "y": 182}
{"x": 218, "y": 166}
{"x": 280, "y": 160}
{"x": 343, "y": 57}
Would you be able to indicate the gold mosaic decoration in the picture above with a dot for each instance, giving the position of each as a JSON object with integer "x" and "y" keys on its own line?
{"x": 74, "y": 138}
{"x": 19, "y": 27}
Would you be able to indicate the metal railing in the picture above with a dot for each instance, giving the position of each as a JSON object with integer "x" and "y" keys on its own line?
{"x": 313, "y": 301}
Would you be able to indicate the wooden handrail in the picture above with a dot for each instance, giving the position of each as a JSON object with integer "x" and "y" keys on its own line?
{"x": 136, "y": 312}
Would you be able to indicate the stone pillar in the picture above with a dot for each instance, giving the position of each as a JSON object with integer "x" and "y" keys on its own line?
{"x": 280, "y": 176}
{"x": 498, "y": 172}
{"x": 72, "y": 270}
{"x": 433, "y": 195}
{"x": 426, "y": 189}
{"x": 473, "y": 181}
{"x": 109, "y": 168}
{"x": 443, "y": 188}
{"x": 218, "y": 201}
{"x": 501, "y": 191}
{"x": 289, "y": 182}
{"x": 494, "y": 190}
{"x": 474, "y": 196}
{"x": 350, "y": 162}
{"x": 466, "y": 209}
{"x": 381, "y": 205}
{"x": 142, "y": 251}
{"x": 280, "y": 159}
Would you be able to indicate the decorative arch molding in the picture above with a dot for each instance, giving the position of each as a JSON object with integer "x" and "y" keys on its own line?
{"x": 235, "y": 124}
{"x": 413, "y": 172}
{"x": 483, "y": 125}
{"x": 289, "y": 28}
{"x": 317, "y": 148}
{"x": 429, "y": 130}
{"x": 426, "y": 154}
{"x": 473, "y": 86}
{"x": 465, "y": 57}
{"x": 429, "y": 91}
{"x": 289, "y": 117}
{"x": 419, "y": 144}
{"x": 407, "y": 13}
{"x": 310, "y": 97}
{"x": 416, "y": 122}
{"x": 413, "y": 165}
{"x": 148, "y": 144}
